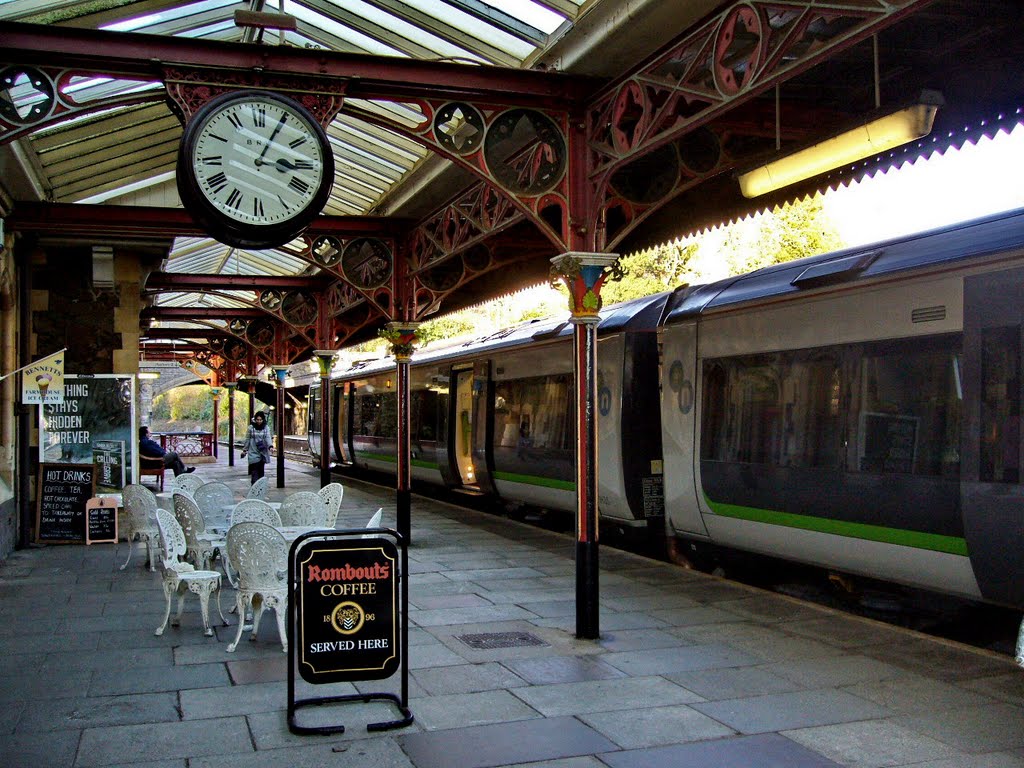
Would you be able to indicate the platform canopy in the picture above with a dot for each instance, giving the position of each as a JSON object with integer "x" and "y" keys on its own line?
{"x": 472, "y": 139}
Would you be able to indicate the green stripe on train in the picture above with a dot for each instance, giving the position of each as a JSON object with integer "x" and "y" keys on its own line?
{"x": 394, "y": 460}
{"x": 545, "y": 482}
{"x": 510, "y": 477}
{"x": 954, "y": 545}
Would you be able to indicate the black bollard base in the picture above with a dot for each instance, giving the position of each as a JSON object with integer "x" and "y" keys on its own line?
{"x": 588, "y": 623}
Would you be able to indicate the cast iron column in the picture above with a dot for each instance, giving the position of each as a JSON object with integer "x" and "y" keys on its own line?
{"x": 402, "y": 336}
{"x": 325, "y": 359}
{"x": 584, "y": 274}
{"x": 281, "y": 371}
{"x": 230, "y": 387}
{"x": 215, "y": 391}
{"x": 250, "y": 388}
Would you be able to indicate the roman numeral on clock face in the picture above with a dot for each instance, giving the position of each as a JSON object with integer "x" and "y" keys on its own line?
{"x": 235, "y": 199}
{"x": 235, "y": 120}
{"x": 257, "y": 207}
{"x": 259, "y": 117}
{"x": 298, "y": 185}
{"x": 217, "y": 182}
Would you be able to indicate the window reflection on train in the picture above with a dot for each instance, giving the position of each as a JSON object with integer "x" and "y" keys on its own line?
{"x": 533, "y": 426}
{"x": 890, "y": 407}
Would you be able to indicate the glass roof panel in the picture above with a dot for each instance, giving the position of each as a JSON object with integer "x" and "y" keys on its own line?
{"x": 127, "y": 153}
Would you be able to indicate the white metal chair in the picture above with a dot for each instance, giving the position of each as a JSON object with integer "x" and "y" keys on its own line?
{"x": 139, "y": 521}
{"x": 259, "y": 557}
{"x": 200, "y": 550}
{"x": 255, "y": 511}
{"x": 180, "y": 577}
{"x": 187, "y": 482}
{"x": 332, "y": 494}
{"x": 213, "y": 498}
{"x": 303, "y": 508}
{"x": 374, "y": 522}
{"x": 258, "y": 490}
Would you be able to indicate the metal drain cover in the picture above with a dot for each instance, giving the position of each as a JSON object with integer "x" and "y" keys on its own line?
{"x": 491, "y": 640}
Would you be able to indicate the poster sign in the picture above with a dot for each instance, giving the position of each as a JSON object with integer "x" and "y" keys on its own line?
{"x": 108, "y": 456}
{"x": 63, "y": 492}
{"x": 348, "y": 610}
{"x": 96, "y": 408}
{"x": 42, "y": 382}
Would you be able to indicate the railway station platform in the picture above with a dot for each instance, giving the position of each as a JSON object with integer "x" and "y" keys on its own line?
{"x": 690, "y": 670}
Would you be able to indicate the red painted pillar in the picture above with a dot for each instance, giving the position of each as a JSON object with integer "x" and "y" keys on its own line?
{"x": 325, "y": 360}
{"x": 402, "y": 336}
{"x": 230, "y": 387}
{"x": 584, "y": 274}
{"x": 281, "y": 373}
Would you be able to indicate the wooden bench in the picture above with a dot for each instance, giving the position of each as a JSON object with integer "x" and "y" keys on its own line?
{"x": 152, "y": 467}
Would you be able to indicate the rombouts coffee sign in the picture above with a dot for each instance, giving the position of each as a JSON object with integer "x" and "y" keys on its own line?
{"x": 348, "y": 611}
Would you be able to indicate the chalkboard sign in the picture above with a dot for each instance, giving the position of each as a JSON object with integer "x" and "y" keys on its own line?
{"x": 62, "y": 493}
{"x": 101, "y": 520}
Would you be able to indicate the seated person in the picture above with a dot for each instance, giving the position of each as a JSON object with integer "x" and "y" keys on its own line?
{"x": 151, "y": 449}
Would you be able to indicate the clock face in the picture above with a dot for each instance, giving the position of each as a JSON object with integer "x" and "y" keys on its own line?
{"x": 254, "y": 168}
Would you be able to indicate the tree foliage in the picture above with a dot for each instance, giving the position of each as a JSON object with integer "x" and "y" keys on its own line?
{"x": 798, "y": 230}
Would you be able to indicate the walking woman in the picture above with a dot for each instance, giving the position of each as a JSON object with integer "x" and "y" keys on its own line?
{"x": 256, "y": 447}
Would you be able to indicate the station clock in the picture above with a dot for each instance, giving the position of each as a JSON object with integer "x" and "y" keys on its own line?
{"x": 254, "y": 168}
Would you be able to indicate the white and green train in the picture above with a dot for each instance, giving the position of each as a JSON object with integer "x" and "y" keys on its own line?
{"x": 859, "y": 411}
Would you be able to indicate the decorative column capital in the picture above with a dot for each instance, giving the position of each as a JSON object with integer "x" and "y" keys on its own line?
{"x": 583, "y": 274}
{"x": 401, "y": 335}
{"x": 230, "y": 386}
{"x": 325, "y": 360}
{"x": 281, "y": 373}
{"x": 215, "y": 391}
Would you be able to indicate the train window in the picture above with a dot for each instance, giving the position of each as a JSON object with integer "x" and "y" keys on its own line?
{"x": 535, "y": 413}
{"x": 376, "y": 415}
{"x": 780, "y": 409}
{"x": 908, "y": 407}
{"x": 1000, "y": 405}
{"x": 885, "y": 407}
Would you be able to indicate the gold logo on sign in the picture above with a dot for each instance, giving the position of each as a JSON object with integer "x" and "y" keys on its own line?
{"x": 348, "y": 618}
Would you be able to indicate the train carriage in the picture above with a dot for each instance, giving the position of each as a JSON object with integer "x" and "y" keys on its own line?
{"x": 495, "y": 416}
{"x": 858, "y": 410}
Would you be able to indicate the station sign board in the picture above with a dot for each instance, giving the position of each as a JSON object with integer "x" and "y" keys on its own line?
{"x": 348, "y": 610}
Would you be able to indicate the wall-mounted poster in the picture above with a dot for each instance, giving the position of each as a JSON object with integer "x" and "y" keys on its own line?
{"x": 108, "y": 456}
{"x": 97, "y": 409}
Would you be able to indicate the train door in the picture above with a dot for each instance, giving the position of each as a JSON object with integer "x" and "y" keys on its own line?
{"x": 679, "y": 430}
{"x": 340, "y": 420}
{"x": 460, "y": 432}
{"x": 992, "y": 495}
{"x": 313, "y": 426}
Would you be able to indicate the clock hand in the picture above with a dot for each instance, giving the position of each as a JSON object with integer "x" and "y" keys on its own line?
{"x": 266, "y": 147}
{"x": 284, "y": 164}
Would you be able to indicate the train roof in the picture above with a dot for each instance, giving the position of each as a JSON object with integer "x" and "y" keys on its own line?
{"x": 965, "y": 240}
{"x": 641, "y": 314}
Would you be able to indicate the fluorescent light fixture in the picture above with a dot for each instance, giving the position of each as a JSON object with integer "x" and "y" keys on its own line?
{"x": 148, "y": 375}
{"x": 871, "y": 138}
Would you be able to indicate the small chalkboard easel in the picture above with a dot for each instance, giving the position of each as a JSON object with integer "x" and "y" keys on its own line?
{"x": 101, "y": 520}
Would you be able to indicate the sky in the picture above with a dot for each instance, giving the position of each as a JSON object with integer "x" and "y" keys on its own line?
{"x": 935, "y": 191}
